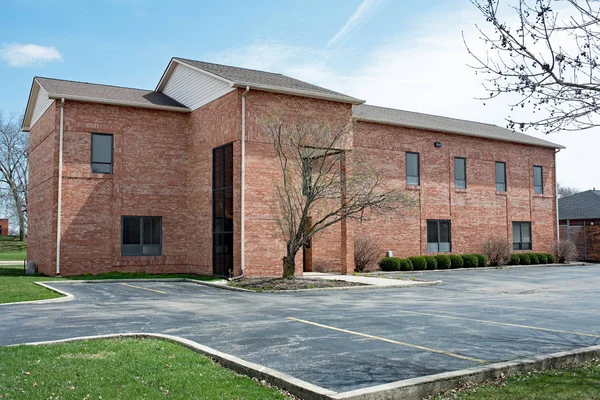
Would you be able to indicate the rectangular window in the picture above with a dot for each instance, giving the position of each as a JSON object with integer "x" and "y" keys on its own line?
{"x": 412, "y": 169}
{"x": 500, "y": 176}
{"x": 223, "y": 210}
{"x": 538, "y": 180}
{"x": 141, "y": 236}
{"x": 102, "y": 153}
{"x": 521, "y": 235}
{"x": 460, "y": 172}
{"x": 439, "y": 236}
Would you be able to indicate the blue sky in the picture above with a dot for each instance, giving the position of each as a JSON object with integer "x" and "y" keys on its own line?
{"x": 388, "y": 52}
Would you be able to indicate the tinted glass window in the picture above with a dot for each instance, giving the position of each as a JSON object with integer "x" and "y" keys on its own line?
{"x": 538, "y": 182}
{"x": 412, "y": 169}
{"x": 460, "y": 172}
{"x": 439, "y": 236}
{"x": 102, "y": 153}
{"x": 521, "y": 235}
{"x": 500, "y": 176}
{"x": 141, "y": 236}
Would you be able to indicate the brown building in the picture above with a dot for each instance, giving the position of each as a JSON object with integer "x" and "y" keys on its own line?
{"x": 3, "y": 226}
{"x": 152, "y": 179}
{"x": 579, "y": 216}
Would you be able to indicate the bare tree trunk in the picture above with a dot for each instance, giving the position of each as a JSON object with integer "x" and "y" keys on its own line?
{"x": 289, "y": 266}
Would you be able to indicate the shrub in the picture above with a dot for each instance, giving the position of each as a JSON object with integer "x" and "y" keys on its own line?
{"x": 551, "y": 258}
{"x": 431, "y": 262}
{"x": 525, "y": 258}
{"x": 481, "y": 260}
{"x": 443, "y": 261}
{"x": 534, "y": 258}
{"x": 419, "y": 263}
{"x": 470, "y": 260}
{"x": 456, "y": 261}
{"x": 366, "y": 253}
{"x": 389, "y": 264}
{"x": 497, "y": 251}
{"x": 543, "y": 258}
{"x": 405, "y": 265}
{"x": 515, "y": 259}
{"x": 565, "y": 251}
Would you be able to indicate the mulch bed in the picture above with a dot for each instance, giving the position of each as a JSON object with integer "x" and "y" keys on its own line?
{"x": 276, "y": 284}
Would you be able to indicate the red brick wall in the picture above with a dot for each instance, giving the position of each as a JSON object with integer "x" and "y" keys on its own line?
{"x": 4, "y": 226}
{"x": 478, "y": 212}
{"x": 592, "y": 233}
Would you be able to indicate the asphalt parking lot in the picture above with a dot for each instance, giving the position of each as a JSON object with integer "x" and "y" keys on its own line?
{"x": 342, "y": 340}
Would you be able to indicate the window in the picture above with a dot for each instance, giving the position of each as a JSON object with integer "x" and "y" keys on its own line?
{"x": 141, "y": 236}
{"x": 438, "y": 236}
{"x": 460, "y": 172}
{"x": 222, "y": 191}
{"x": 521, "y": 235}
{"x": 538, "y": 181}
{"x": 102, "y": 153}
{"x": 412, "y": 169}
{"x": 500, "y": 176}
{"x": 306, "y": 176}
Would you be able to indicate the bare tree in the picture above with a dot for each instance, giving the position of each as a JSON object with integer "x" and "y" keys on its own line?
{"x": 564, "y": 191}
{"x": 548, "y": 58}
{"x": 322, "y": 183}
{"x": 14, "y": 168}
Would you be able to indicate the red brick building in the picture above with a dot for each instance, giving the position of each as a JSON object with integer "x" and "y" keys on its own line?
{"x": 3, "y": 226}
{"x": 127, "y": 179}
{"x": 579, "y": 222}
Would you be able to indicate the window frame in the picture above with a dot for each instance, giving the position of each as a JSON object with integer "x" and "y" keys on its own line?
{"x": 519, "y": 245}
{"x": 464, "y": 172}
{"x": 503, "y": 163}
{"x": 418, "y": 176}
{"x": 541, "y": 185}
{"x": 438, "y": 222}
{"x": 140, "y": 253}
{"x": 112, "y": 153}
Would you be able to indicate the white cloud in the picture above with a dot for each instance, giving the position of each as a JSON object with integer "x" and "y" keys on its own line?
{"x": 425, "y": 70}
{"x": 20, "y": 55}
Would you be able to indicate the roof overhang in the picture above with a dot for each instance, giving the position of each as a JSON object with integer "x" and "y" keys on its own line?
{"x": 454, "y": 131}
{"x": 33, "y": 93}
{"x": 86, "y": 99}
{"x": 265, "y": 88}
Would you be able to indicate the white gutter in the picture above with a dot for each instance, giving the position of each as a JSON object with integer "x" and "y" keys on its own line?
{"x": 60, "y": 168}
{"x": 298, "y": 92}
{"x": 556, "y": 200}
{"x": 243, "y": 188}
{"x": 116, "y": 102}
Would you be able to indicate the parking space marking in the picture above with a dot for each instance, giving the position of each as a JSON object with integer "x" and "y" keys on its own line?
{"x": 500, "y": 323}
{"x": 143, "y": 288}
{"x": 447, "y": 353}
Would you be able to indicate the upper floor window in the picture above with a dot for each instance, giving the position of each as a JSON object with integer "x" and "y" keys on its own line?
{"x": 500, "y": 176}
{"x": 413, "y": 169}
{"x": 538, "y": 180}
{"x": 521, "y": 235}
{"x": 141, "y": 236}
{"x": 438, "y": 236}
{"x": 460, "y": 172}
{"x": 102, "y": 153}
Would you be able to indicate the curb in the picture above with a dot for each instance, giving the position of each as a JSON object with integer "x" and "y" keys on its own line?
{"x": 297, "y": 387}
{"x": 66, "y": 297}
{"x": 556, "y": 265}
{"x": 348, "y": 288}
{"x": 419, "y": 388}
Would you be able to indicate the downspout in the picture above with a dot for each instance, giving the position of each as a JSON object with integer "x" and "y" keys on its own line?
{"x": 243, "y": 188}
{"x": 556, "y": 198}
{"x": 60, "y": 168}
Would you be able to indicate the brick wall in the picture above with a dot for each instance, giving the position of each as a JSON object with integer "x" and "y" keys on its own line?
{"x": 4, "y": 226}
{"x": 592, "y": 233}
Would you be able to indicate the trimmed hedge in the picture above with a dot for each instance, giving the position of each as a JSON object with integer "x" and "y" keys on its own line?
{"x": 470, "y": 260}
{"x": 481, "y": 260}
{"x": 515, "y": 259}
{"x": 551, "y": 258}
{"x": 431, "y": 262}
{"x": 443, "y": 261}
{"x": 419, "y": 263}
{"x": 405, "y": 265}
{"x": 525, "y": 258}
{"x": 456, "y": 261}
{"x": 389, "y": 264}
{"x": 534, "y": 258}
{"x": 543, "y": 258}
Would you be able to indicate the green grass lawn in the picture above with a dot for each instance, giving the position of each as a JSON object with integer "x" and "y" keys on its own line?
{"x": 580, "y": 382}
{"x": 120, "y": 369}
{"x": 14, "y": 286}
{"x": 11, "y": 249}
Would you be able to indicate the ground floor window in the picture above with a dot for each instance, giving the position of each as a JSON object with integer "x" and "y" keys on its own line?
{"x": 141, "y": 236}
{"x": 438, "y": 236}
{"x": 521, "y": 235}
{"x": 223, "y": 210}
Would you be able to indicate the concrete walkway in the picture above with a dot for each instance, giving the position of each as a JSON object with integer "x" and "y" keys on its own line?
{"x": 371, "y": 280}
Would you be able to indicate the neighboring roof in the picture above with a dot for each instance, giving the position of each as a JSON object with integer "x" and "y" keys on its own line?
{"x": 584, "y": 205}
{"x": 260, "y": 80}
{"x": 411, "y": 119}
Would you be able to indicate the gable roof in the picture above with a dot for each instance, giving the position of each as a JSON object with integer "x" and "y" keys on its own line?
{"x": 96, "y": 93}
{"x": 258, "y": 80}
{"x": 584, "y": 205}
{"x": 391, "y": 116}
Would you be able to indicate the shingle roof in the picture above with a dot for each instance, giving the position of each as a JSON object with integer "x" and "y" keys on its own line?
{"x": 249, "y": 77}
{"x": 58, "y": 88}
{"x": 445, "y": 124}
{"x": 584, "y": 205}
